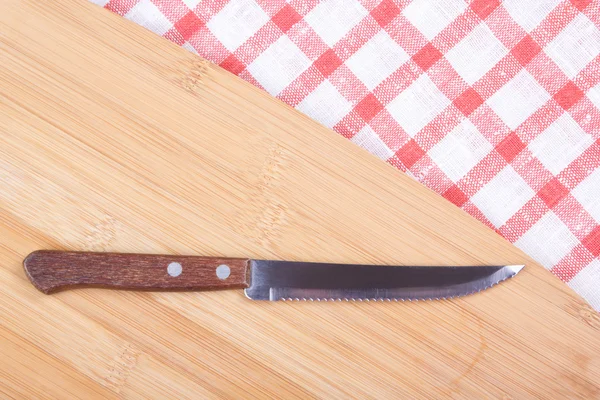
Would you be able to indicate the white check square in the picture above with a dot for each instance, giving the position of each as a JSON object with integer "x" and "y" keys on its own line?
{"x": 587, "y": 194}
{"x": 146, "y": 14}
{"x": 529, "y": 14}
{"x": 431, "y": 17}
{"x": 333, "y": 19}
{"x": 575, "y": 46}
{"x": 548, "y": 241}
{"x": 237, "y": 22}
{"x": 417, "y": 105}
{"x": 370, "y": 141}
{"x": 476, "y": 54}
{"x": 377, "y": 59}
{"x": 460, "y": 150}
{"x": 518, "y": 99}
{"x": 279, "y": 65}
{"x": 503, "y": 196}
{"x": 560, "y": 144}
{"x": 325, "y": 105}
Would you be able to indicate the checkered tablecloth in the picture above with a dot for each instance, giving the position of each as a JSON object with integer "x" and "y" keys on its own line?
{"x": 494, "y": 105}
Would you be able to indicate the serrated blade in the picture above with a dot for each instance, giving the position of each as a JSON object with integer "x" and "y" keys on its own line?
{"x": 286, "y": 280}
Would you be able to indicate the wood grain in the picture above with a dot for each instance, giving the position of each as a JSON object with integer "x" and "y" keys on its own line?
{"x": 112, "y": 139}
{"x": 51, "y": 271}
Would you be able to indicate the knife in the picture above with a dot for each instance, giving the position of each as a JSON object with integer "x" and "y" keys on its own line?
{"x": 51, "y": 271}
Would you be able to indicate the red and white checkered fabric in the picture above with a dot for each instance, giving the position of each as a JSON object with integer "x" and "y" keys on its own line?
{"x": 494, "y": 105}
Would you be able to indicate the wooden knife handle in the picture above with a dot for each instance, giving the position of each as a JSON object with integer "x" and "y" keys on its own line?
{"x": 51, "y": 271}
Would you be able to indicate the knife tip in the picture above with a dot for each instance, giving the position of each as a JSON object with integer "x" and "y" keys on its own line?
{"x": 514, "y": 269}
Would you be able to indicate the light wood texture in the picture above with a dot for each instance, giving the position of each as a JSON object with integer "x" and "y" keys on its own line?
{"x": 54, "y": 270}
{"x": 113, "y": 139}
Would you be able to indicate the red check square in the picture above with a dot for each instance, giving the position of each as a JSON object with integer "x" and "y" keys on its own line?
{"x": 568, "y": 95}
{"x": 581, "y": 4}
{"x": 427, "y": 56}
{"x": 328, "y": 62}
{"x": 468, "y": 101}
{"x": 456, "y": 196}
{"x": 410, "y": 153}
{"x": 510, "y": 147}
{"x": 385, "y": 12}
{"x": 188, "y": 25}
{"x": 233, "y": 65}
{"x": 369, "y": 107}
{"x": 526, "y": 50}
{"x": 483, "y": 8}
{"x": 286, "y": 18}
{"x": 553, "y": 192}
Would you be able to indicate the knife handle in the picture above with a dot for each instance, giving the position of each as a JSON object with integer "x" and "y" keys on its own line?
{"x": 51, "y": 271}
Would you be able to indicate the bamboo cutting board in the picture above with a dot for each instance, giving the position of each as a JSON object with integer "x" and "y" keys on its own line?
{"x": 144, "y": 147}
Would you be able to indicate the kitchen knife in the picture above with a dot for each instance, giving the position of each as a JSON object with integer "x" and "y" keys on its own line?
{"x": 51, "y": 271}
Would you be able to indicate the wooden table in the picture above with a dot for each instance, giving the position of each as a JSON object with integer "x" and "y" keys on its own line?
{"x": 113, "y": 139}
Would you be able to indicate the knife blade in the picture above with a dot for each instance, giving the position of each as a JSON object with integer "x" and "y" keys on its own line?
{"x": 285, "y": 280}
{"x": 51, "y": 271}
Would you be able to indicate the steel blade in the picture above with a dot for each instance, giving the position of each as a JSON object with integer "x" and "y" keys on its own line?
{"x": 286, "y": 280}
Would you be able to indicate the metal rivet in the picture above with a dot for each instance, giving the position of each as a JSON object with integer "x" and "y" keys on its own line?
{"x": 223, "y": 271}
{"x": 174, "y": 269}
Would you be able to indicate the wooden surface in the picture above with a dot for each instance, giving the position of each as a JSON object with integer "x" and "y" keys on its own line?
{"x": 113, "y": 139}
{"x": 52, "y": 270}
